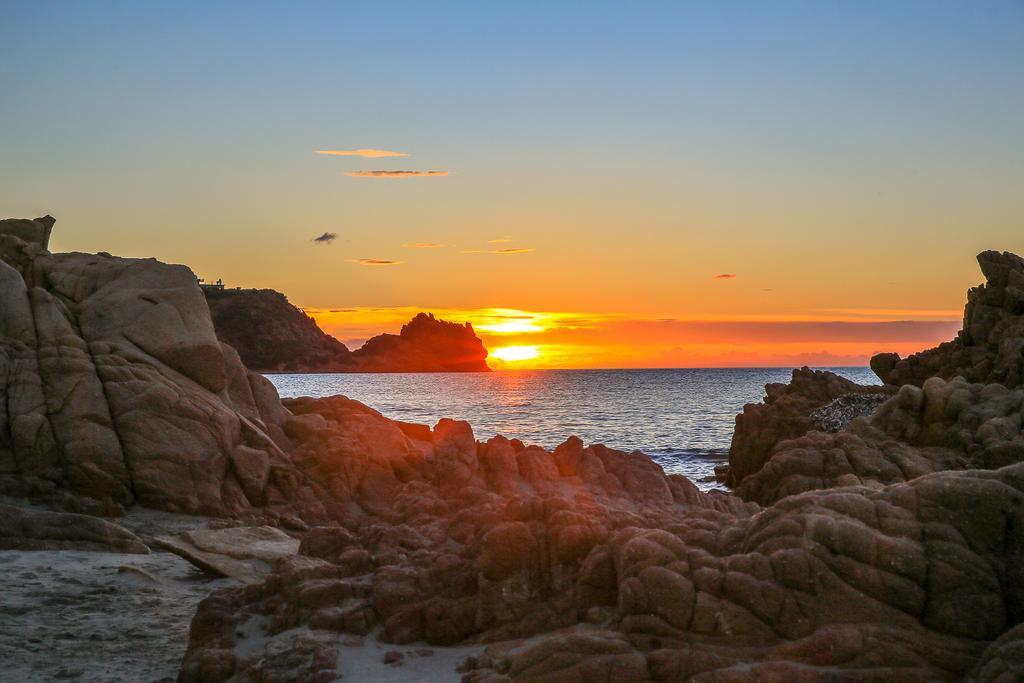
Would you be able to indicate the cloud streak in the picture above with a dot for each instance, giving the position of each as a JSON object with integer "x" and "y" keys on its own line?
{"x": 326, "y": 238}
{"x": 423, "y": 245}
{"x": 367, "y": 153}
{"x": 725, "y": 276}
{"x": 375, "y": 261}
{"x": 396, "y": 174}
{"x": 499, "y": 240}
{"x": 499, "y": 251}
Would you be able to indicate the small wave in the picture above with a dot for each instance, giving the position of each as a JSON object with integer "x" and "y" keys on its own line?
{"x": 715, "y": 454}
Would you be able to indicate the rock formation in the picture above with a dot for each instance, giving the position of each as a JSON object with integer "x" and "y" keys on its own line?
{"x": 443, "y": 539}
{"x": 425, "y": 344}
{"x": 890, "y": 549}
{"x": 958, "y": 407}
{"x": 989, "y": 348}
{"x": 116, "y": 390}
{"x": 272, "y": 335}
{"x": 448, "y": 541}
{"x": 784, "y": 414}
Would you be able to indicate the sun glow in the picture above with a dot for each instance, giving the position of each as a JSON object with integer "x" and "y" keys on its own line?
{"x": 523, "y": 339}
{"x": 511, "y": 327}
{"x": 515, "y": 353}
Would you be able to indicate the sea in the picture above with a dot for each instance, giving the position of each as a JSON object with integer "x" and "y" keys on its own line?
{"x": 682, "y": 418}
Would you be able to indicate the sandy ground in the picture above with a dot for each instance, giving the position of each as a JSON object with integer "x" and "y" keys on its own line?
{"x": 81, "y": 616}
{"x": 417, "y": 663}
{"x": 113, "y": 618}
{"x": 99, "y": 617}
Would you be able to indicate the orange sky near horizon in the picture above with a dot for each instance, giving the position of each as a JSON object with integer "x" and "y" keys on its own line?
{"x": 552, "y": 340}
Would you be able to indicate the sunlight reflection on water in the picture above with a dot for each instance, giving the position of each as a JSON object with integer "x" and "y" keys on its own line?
{"x": 682, "y": 418}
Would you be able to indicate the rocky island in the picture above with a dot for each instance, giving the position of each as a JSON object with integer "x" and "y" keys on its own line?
{"x": 272, "y": 335}
{"x": 872, "y": 535}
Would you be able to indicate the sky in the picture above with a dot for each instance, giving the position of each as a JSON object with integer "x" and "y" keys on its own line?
{"x": 591, "y": 184}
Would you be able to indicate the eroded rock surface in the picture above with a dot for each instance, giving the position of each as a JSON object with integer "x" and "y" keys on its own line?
{"x": 784, "y": 414}
{"x": 444, "y": 540}
{"x": 887, "y": 549}
{"x": 115, "y": 390}
{"x": 495, "y": 542}
{"x": 951, "y": 425}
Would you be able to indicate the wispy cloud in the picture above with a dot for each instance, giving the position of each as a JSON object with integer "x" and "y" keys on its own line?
{"x": 725, "y": 276}
{"x": 498, "y": 251}
{"x": 396, "y": 174}
{"x": 374, "y": 261}
{"x": 369, "y": 153}
{"x": 499, "y": 240}
{"x": 423, "y": 245}
{"x": 326, "y": 238}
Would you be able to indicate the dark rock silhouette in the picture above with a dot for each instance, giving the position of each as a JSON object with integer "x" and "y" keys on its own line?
{"x": 989, "y": 348}
{"x": 425, "y": 344}
{"x": 272, "y": 335}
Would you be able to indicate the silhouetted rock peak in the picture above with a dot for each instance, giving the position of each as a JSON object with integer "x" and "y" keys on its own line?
{"x": 425, "y": 344}
{"x": 989, "y": 347}
{"x": 272, "y": 335}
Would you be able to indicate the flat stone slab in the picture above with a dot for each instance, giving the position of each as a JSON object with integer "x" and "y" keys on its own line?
{"x": 245, "y": 553}
{"x": 27, "y": 529}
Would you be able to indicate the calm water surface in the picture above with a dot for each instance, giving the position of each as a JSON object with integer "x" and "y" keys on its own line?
{"x": 681, "y": 418}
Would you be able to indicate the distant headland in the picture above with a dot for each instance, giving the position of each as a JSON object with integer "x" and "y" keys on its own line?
{"x": 272, "y": 335}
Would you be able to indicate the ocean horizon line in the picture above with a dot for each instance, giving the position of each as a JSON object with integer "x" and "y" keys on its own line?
{"x": 523, "y": 370}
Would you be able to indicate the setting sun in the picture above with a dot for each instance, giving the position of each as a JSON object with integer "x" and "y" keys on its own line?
{"x": 515, "y": 353}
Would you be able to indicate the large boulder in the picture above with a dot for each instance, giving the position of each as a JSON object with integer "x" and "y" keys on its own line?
{"x": 116, "y": 388}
